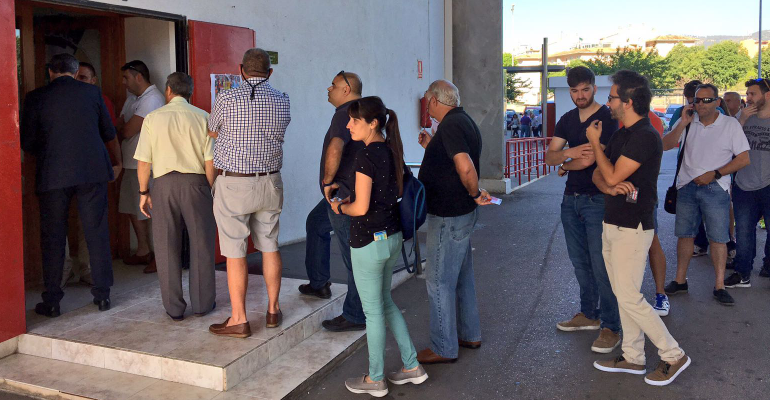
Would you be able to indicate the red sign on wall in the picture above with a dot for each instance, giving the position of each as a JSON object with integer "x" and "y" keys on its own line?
{"x": 419, "y": 69}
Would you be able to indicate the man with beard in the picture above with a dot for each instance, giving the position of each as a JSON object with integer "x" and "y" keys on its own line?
{"x": 582, "y": 211}
{"x": 627, "y": 171}
{"x": 751, "y": 191}
{"x": 713, "y": 148}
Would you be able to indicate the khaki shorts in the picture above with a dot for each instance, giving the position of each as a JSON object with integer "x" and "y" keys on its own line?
{"x": 128, "y": 202}
{"x": 246, "y": 206}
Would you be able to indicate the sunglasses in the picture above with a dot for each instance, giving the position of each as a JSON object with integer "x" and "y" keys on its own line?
{"x": 763, "y": 81}
{"x": 705, "y": 100}
{"x": 342, "y": 73}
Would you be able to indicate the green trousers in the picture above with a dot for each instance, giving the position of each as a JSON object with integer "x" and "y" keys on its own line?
{"x": 373, "y": 273}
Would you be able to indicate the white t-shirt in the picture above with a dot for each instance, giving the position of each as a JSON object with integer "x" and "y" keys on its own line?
{"x": 711, "y": 147}
{"x": 148, "y": 102}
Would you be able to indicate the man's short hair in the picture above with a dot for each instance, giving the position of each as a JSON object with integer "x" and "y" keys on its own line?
{"x": 764, "y": 84}
{"x": 690, "y": 88}
{"x": 633, "y": 86}
{"x": 445, "y": 92}
{"x": 356, "y": 86}
{"x": 580, "y": 74}
{"x": 180, "y": 84}
{"x": 137, "y": 67}
{"x": 64, "y": 63}
{"x": 256, "y": 62}
{"x": 89, "y": 66}
{"x": 732, "y": 94}
{"x": 707, "y": 86}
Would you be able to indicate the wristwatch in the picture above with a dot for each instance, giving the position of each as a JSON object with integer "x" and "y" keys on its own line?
{"x": 477, "y": 195}
{"x": 717, "y": 175}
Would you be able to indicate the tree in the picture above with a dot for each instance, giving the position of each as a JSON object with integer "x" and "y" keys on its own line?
{"x": 726, "y": 63}
{"x": 507, "y": 60}
{"x": 686, "y": 64}
{"x": 514, "y": 85}
{"x": 649, "y": 64}
{"x": 765, "y": 64}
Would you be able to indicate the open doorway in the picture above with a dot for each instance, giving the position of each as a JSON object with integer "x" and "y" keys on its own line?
{"x": 106, "y": 37}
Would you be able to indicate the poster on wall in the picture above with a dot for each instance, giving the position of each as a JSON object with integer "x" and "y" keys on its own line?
{"x": 222, "y": 82}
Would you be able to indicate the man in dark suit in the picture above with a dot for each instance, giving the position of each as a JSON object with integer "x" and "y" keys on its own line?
{"x": 65, "y": 125}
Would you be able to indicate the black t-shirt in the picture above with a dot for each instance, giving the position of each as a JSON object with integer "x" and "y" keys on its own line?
{"x": 338, "y": 129}
{"x": 571, "y": 129}
{"x": 445, "y": 194}
{"x": 641, "y": 143}
{"x": 376, "y": 162}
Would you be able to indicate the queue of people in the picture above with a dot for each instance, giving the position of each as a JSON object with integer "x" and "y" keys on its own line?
{"x": 187, "y": 170}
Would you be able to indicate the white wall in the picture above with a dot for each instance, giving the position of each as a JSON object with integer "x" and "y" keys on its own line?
{"x": 152, "y": 41}
{"x": 562, "y": 99}
{"x": 379, "y": 40}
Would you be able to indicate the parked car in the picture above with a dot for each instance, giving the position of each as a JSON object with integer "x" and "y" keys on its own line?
{"x": 671, "y": 109}
{"x": 663, "y": 119}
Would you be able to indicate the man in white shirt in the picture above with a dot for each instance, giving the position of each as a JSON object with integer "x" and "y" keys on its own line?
{"x": 143, "y": 98}
{"x": 714, "y": 147}
{"x": 537, "y": 124}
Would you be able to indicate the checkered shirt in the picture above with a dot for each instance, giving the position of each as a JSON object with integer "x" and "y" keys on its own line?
{"x": 250, "y": 131}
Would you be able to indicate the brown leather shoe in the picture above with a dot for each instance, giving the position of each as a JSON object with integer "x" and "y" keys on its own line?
{"x": 151, "y": 268}
{"x": 427, "y": 356}
{"x": 139, "y": 260}
{"x": 469, "y": 345}
{"x": 237, "y": 331}
{"x": 273, "y": 320}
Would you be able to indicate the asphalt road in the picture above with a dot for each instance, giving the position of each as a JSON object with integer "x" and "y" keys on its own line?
{"x": 525, "y": 285}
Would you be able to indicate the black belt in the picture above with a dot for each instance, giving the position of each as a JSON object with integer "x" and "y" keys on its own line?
{"x": 240, "y": 175}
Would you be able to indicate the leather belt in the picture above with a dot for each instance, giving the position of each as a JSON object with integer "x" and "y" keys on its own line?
{"x": 240, "y": 175}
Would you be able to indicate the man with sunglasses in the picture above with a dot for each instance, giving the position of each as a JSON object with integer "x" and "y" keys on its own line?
{"x": 751, "y": 191}
{"x": 335, "y": 179}
{"x": 714, "y": 148}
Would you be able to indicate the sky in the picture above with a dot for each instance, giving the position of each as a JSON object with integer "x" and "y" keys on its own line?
{"x": 536, "y": 19}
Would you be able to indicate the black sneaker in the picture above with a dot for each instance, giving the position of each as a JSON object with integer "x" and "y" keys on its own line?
{"x": 340, "y": 324}
{"x": 736, "y": 280}
{"x": 675, "y": 287}
{"x": 765, "y": 271}
{"x": 723, "y": 297}
{"x": 324, "y": 292}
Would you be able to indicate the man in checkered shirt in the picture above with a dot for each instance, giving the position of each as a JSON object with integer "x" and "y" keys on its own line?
{"x": 249, "y": 124}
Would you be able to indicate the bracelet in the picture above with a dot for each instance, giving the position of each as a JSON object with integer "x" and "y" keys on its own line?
{"x": 146, "y": 192}
{"x": 477, "y": 195}
{"x": 339, "y": 209}
{"x": 326, "y": 184}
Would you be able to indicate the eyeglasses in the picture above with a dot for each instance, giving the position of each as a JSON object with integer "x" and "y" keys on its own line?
{"x": 342, "y": 73}
{"x": 763, "y": 81}
{"x": 705, "y": 100}
{"x": 611, "y": 97}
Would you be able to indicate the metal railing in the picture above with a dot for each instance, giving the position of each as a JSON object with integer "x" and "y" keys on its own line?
{"x": 525, "y": 157}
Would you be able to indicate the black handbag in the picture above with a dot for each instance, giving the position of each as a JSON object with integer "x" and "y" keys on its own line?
{"x": 670, "y": 203}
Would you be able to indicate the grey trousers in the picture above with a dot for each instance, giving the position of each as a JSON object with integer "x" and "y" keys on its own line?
{"x": 184, "y": 201}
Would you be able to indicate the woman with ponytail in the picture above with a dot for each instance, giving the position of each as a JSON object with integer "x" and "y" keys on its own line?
{"x": 375, "y": 240}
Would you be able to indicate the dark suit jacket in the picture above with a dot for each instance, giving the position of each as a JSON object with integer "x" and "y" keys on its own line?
{"x": 65, "y": 125}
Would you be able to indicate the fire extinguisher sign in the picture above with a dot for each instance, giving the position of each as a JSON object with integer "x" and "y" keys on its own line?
{"x": 419, "y": 69}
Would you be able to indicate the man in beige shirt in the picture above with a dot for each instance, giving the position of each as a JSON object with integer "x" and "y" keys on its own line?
{"x": 174, "y": 142}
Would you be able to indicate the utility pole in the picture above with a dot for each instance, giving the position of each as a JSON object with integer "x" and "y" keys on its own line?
{"x": 544, "y": 90}
{"x": 759, "y": 64}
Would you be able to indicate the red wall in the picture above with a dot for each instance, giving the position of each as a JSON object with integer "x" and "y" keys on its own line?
{"x": 12, "y": 307}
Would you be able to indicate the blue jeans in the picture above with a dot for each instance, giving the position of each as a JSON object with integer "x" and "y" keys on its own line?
{"x": 525, "y": 132}
{"x": 582, "y": 216}
{"x": 711, "y": 203}
{"x": 449, "y": 278}
{"x": 749, "y": 207}
{"x": 320, "y": 223}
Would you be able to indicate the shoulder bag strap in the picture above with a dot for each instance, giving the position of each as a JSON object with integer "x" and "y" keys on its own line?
{"x": 680, "y": 158}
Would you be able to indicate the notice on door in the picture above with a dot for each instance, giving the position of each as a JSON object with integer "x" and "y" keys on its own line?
{"x": 222, "y": 82}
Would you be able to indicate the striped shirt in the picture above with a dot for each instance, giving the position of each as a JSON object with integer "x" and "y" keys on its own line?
{"x": 250, "y": 132}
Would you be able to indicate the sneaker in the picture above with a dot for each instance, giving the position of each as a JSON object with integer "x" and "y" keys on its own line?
{"x": 666, "y": 373}
{"x": 765, "y": 271}
{"x": 731, "y": 252}
{"x": 606, "y": 342}
{"x": 401, "y": 377}
{"x": 662, "y": 306}
{"x": 579, "y": 323}
{"x": 675, "y": 287}
{"x": 699, "y": 251}
{"x": 340, "y": 324}
{"x": 723, "y": 297}
{"x": 619, "y": 364}
{"x": 360, "y": 385}
{"x": 737, "y": 280}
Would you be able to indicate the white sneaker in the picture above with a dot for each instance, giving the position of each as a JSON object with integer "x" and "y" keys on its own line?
{"x": 662, "y": 305}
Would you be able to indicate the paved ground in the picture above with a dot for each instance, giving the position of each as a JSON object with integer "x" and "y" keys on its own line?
{"x": 525, "y": 284}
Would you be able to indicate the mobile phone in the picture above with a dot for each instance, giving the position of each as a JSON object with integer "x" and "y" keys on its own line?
{"x": 690, "y": 112}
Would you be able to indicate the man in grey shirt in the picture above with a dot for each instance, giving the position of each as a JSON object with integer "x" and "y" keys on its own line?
{"x": 751, "y": 192}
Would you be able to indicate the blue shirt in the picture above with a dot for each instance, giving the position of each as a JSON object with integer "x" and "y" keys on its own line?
{"x": 65, "y": 125}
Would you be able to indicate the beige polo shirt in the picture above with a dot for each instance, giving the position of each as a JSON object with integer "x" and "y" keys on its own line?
{"x": 175, "y": 138}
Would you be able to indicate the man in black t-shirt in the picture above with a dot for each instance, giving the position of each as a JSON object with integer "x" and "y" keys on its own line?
{"x": 450, "y": 173}
{"x": 335, "y": 180}
{"x": 627, "y": 171}
{"x": 582, "y": 210}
